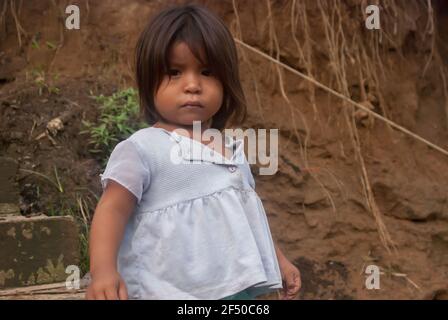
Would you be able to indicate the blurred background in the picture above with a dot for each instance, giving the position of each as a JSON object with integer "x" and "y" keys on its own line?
{"x": 352, "y": 190}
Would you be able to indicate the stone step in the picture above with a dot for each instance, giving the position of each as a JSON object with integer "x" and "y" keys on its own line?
{"x": 36, "y": 250}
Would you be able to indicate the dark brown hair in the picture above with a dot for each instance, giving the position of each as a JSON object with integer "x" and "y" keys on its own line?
{"x": 199, "y": 29}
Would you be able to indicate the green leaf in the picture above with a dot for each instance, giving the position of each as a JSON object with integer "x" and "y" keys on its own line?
{"x": 51, "y": 45}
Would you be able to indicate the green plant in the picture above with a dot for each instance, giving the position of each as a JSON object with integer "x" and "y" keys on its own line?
{"x": 117, "y": 121}
{"x": 84, "y": 263}
{"x": 51, "y": 45}
{"x": 35, "y": 44}
{"x": 41, "y": 80}
{"x": 83, "y": 219}
{"x": 56, "y": 182}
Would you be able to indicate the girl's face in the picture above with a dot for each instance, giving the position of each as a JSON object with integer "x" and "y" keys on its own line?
{"x": 191, "y": 82}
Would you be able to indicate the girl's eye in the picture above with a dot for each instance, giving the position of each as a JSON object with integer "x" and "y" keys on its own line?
{"x": 207, "y": 72}
{"x": 173, "y": 72}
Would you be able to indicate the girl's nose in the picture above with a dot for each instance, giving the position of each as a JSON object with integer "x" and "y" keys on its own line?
{"x": 192, "y": 84}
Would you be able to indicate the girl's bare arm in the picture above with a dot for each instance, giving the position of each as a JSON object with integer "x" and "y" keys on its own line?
{"x": 110, "y": 218}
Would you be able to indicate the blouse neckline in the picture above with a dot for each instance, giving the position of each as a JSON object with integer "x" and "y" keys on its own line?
{"x": 210, "y": 155}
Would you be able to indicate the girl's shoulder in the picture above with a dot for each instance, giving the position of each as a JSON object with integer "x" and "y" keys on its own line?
{"x": 149, "y": 133}
{"x": 150, "y": 138}
{"x": 151, "y": 143}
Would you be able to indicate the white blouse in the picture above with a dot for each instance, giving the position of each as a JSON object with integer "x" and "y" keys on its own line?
{"x": 199, "y": 230}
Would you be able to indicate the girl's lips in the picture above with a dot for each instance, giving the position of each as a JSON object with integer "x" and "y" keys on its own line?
{"x": 188, "y": 106}
{"x": 191, "y": 104}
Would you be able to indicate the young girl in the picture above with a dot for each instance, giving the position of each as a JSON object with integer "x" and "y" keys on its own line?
{"x": 165, "y": 230}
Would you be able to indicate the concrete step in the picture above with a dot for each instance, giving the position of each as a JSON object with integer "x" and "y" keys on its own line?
{"x": 36, "y": 250}
{"x": 33, "y": 250}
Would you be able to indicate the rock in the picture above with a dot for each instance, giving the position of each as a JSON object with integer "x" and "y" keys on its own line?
{"x": 310, "y": 220}
{"x": 438, "y": 294}
{"x": 439, "y": 248}
{"x": 316, "y": 198}
{"x": 54, "y": 126}
{"x": 323, "y": 280}
{"x": 421, "y": 202}
{"x": 16, "y": 135}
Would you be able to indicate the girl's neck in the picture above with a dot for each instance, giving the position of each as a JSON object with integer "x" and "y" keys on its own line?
{"x": 172, "y": 126}
{"x": 187, "y": 130}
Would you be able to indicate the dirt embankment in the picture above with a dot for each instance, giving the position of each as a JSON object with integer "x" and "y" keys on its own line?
{"x": 333, "y": 173}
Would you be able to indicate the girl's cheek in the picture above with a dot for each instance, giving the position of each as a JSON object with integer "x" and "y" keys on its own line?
{"x": 164, "y": 85}
{"x": 215, "y": 83}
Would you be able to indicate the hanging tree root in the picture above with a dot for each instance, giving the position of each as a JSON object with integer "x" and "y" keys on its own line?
{"x": 337, "y": 48}
{"x": 362, "y": 53}
{"x": 14, "y": 12}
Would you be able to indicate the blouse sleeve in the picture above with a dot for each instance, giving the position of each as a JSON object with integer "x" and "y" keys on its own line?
{"x": 126, "y": 166}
